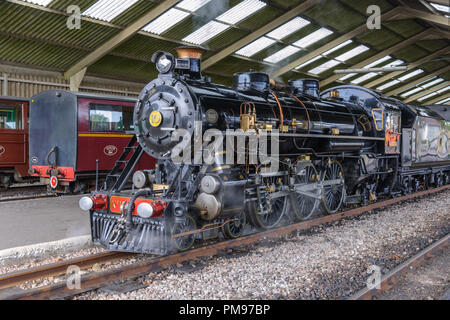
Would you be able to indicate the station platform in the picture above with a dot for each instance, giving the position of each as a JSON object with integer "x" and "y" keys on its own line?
{"x": 28, "y": 222}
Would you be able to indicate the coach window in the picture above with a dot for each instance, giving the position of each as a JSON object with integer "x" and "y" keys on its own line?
{"x": 110, "y": 118}
{"x": 10, "y": 116}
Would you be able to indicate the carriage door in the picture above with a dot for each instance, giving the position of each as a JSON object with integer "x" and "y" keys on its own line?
{"x": 13, "y": 135}
{"x": 393, "y": 134}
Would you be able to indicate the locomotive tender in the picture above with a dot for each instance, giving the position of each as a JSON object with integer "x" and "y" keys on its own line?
{"x": 349, "y": 145}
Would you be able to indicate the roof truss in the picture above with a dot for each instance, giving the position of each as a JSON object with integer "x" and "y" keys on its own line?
{"x": 420, "y": 80}
{"x": 362, "y": 28}
{"x": 437, "y": 99}
{"x": 120, "y": 38}
{"x": 411, "y": 66}
{"x": 426, "y": 92}
{"x": 259, "y": 33}
{"x": 421, "y": 36}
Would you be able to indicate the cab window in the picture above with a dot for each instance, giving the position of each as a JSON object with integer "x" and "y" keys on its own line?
{"x": 393, "y": 122}
{"x": 103, "y": 117}
{"x": 11, "y": 116}
{"x": 378, "y": 118}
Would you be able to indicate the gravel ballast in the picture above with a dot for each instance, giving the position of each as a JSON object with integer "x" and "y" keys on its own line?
{"x": 328, "y": 262}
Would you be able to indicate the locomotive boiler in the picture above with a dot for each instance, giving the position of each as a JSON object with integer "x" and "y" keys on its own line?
{"x": 217, "y": 176}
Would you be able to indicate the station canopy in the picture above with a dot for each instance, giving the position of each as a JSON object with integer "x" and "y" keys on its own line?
{"x": 287, "y": 39}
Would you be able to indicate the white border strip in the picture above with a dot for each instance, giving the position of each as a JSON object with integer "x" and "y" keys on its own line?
{"x": 40, "y": 248}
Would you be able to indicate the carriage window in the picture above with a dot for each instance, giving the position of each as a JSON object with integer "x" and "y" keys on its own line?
{"x": 104, "y": 117}
{"x": 10, "y": 115}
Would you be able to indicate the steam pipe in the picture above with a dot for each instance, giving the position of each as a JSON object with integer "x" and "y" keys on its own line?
{"x": 129, "y": 216}
{"x": 280, "y": 108}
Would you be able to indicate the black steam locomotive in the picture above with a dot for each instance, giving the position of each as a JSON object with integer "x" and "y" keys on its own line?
{"x": 290, "y": 152}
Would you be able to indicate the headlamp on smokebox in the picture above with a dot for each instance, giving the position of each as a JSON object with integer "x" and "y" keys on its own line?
{"x": 164, "y": 61}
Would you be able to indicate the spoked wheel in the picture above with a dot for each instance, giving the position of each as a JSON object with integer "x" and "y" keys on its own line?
{"x": 333, "y": 195}
{"x": 447, "y": 178}
{"x": 303, "y": 206}
{"x": 427, "y": 184}
{"x": 187, "y": 224}
{"x": 234, "y": 229}
{"x": 267, "y": 215}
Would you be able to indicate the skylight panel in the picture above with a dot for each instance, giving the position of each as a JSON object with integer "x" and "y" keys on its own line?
{"x": 255, "y": 47}
{"x": 387, "y": 85}
{"x": 348, "y": 76}
{"x": 166, "y": 21}
{"x": 411, "y": 92}
{"x": 411, "y": 74}
{"x": 308, "y": 62}
{"x": 208, "y": 31}
{"x": 443, "y": 101}
{"x": 432, "y": 83}
{"x": 288, "y": 28}
{"x": 107, "y": 10}
{"x": 377, "y": 62}
{"x": 428, "y": 96}
{"x": 394, "y": 63}
{"x": 443, "y": 90}
{"x": 441, "y": 7}
{"x": 40, "y": 2}
{"x": 343, "y": 44}
{"x": 192, "y": 5}
{"x": 352, "y": 53}
{"x": 364, "y": 77}
{"x": 282, "y": 54}
{"x": 324, "y": 67}
{"x": 342, "y": 58}
{"x": 313, "y": 38}
{"x": 373, "y": 74}
{"x": 241, "y": 11}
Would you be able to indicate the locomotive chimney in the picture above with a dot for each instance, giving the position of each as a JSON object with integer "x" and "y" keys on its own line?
{"x": 189, "y": 61}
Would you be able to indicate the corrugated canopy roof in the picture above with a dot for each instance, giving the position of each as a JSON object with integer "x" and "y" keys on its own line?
{"x": 286, "y": 38}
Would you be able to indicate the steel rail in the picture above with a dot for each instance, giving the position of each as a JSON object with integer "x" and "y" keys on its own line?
{"x": 14, "y": 278}
{"x": 393, "y": 277}
{"x": 24, "y": 193}
{"x": 96, "y": 280}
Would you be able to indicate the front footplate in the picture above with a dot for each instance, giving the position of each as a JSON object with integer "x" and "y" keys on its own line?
{"x": 149, "y": 236}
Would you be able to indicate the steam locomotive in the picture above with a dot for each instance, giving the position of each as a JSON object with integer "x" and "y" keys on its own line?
{"x": 346, "y": 145}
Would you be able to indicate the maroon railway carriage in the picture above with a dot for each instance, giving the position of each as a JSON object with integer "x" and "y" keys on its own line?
{"x": 13, "y": 140}
{"x": 71, "y": 134}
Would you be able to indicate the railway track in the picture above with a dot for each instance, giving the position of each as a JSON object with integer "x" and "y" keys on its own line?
{"x": 58, "y": 268}
{"x": 96, "y": 280}
{"x": 25, "y": 192}
{"x": 391, "y": 279}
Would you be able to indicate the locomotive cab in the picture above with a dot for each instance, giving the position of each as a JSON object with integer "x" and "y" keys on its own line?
{"x": 381, "y": 117}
